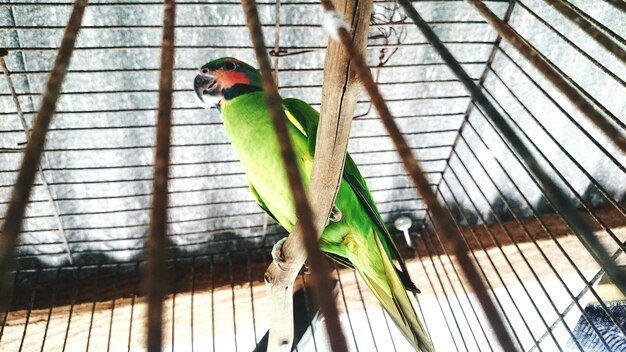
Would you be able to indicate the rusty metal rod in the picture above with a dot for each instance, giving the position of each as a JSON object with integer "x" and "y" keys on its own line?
{"x": 558, "y": 199}
{"x": 540, "y": 62}
{"x": 321, "y": 282}
{"x": 442, "y": 219}
{"x": 620, "y": 4}
{"x": 34, "y": 148}
{"x": 156, "y": 270}
{"x": 565, "y": 9}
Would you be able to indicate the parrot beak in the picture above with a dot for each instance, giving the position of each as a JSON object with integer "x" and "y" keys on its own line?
{"x": 208, "y": 91}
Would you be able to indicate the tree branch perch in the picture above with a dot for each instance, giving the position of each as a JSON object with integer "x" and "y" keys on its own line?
{"x": 338, "y": 104}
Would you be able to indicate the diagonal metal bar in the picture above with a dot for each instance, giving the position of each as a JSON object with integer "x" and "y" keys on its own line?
{"x": 306, "y": 243}
{"x": 620, "y": 4}
{"x": 540, "y": 62}
{"x": 573, "y": 45}
{"x": 481, "y": 80}
{"x": 42, "y": 176}
{"x": 156, "y": 271}
{"x": 34, "y": 149}
{"x": 442, "y": 219}
{"x": 560, "y": 201}
{"x": 565, "y": 9}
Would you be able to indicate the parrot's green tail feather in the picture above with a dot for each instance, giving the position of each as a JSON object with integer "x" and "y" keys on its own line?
{"x": 396, "y": 303}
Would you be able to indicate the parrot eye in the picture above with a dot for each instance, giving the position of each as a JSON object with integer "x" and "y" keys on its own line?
{"x": 205, "y": 71}
{"x": 230, "y": 66}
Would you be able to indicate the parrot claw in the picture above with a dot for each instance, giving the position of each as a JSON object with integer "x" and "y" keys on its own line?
{"x": 335, "y": 214}
{"x": 306, "y": 269}
{"x": 277, "y": 254}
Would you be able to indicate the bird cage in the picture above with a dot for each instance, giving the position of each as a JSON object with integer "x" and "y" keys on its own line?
{"x": 515, "y": 112}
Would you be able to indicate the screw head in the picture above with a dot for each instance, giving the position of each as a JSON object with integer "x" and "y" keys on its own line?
{"x": 403, "y": 223}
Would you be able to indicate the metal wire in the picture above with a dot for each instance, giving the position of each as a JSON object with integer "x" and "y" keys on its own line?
{"x": 572, "y": 44}
{"x": 32, "y": 154}
{"x": 570, "y": 11}
{"x": 545, "y": 228}
{"x": 42, "y": 176}
{"x": 557, "y": 77}
{"x": 489, "y": 192}
{"x": 558, "y": 199}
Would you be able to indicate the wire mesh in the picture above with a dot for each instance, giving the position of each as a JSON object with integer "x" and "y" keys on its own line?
{"x": 93, "y": 187}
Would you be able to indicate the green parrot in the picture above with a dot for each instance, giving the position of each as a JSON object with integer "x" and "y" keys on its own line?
{"x": 356, "y": 236}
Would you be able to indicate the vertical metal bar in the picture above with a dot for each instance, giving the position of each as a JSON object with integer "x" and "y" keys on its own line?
{"x": 34, "y": 148}
{"x": 232, "y": 297}
{"x": 303, "y": 210}
{"x": 419, "y": 306}
{"x": 94, "y": 300}
{"x": 193, "y": 292}
{"x": 5, "y": 313}
{"x": 532, "y": 239}
{"x": 539, "y": 61}
{"x": 115, "y": 283}
{"x": 588, "y": 284}
{"x": 565, "y": 9}
{"x": 212, "y": 274}
{"x": 581, "y": 228}
{"x": 393, "y": 344}
{"x": 33, "y": 296}
{"x": 276, "y": 40}
{"x": 72, "y": 303}
{"x": 367, "y": 316}
{"x": 589, "y": 210}
{"x": 442, "y": 219}
{"x": 173, "y": 332}
{"x": 251, "y": 283}
{"x": 51, "y": 304}
{"x": 308, "y": 303}
{"x": 345, "y": 305}
{"x": 446, "y": 296}
{"x": 449, "y": 279}
{"x": 436, "y": 297}
{"x": 465, "y": 218}
{"x": 132, "y": 306}
{"x": 465, "y": 293}
{"x": 515, "y": 244}
{"x": 587, "y": 287}
{"x": 499, "y": 246}
{"x": 157, "y": 244}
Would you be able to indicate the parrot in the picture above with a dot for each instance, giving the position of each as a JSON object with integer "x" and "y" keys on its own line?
{"x": 356, "y": 235}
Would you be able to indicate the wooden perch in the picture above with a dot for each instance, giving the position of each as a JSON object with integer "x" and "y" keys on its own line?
{"x": 340, "y": 94}
{"x": 304, "y": 240}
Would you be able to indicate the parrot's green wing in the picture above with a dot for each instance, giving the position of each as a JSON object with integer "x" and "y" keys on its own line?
{"x": 260, "y": 201}
{"x": 306, "y": 119}
{"x": 352, "y": 175}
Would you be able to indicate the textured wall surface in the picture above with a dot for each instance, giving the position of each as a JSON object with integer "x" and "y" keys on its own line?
{"x": 98, "y": 156}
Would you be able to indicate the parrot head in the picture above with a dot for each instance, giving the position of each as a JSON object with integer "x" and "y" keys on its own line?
{"x": 224, "y": 79}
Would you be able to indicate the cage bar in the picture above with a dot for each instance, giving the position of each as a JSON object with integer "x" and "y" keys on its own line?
{"x": 550, "y": 292}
